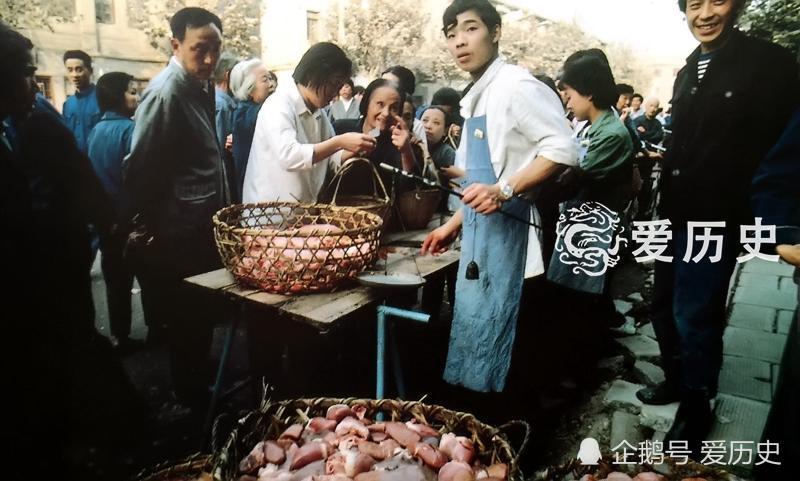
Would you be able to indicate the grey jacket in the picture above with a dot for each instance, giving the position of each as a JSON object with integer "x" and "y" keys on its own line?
{"x": 174, "y": 172}
{"x": 338, "y": 111}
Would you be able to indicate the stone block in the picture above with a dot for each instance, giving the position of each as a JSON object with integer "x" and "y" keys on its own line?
{"x": 647, "y": 330}
{"x": 749, "y": 343}
{"x": 627, "y": 329}
{"x": 626, "y": 427}
{"x": 621, "y": 395}
{"x": 748, "y": 378}
{"x": 785, "y": 320}
{"x": 636, "y": 297}
{"x": 658, "y": 418}
{"x": 753, "y": 279}
{"x": 761, "y": 266}
{"x": 787, "y": 284}
{"x": 738, "y": 419}
{"x": 752, "y": 317}
{"x": 648, "y": 373}
{"x": 623, "y": 307}
{"x": 760, "y": 296}
{"x": 640, "y": 347}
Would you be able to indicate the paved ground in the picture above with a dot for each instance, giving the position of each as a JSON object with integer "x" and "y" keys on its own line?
{"x": 600, "y": 404}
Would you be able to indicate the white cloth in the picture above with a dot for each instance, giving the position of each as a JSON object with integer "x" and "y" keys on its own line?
{"x": 419, "y": 130}
{"x": 280, "y": 165}
{"x": 346, "y": 103}
{"x": 525, "y": 119}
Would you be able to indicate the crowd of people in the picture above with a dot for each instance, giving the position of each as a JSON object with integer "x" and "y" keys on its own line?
{"x": 142, "y": 179}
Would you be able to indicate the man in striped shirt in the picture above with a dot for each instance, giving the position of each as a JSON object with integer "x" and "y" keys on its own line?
{"x": 722, "y": 128}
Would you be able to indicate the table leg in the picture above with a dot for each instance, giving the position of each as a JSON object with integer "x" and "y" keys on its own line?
{"x": 223, "y": 361}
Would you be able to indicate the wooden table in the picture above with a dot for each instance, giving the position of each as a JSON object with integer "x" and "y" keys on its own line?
{"x": 324, "y": 311}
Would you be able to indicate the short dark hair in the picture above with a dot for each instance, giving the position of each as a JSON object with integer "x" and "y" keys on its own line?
{"x": 191, "y": 17}
{"x": 591, "y": 76}
{"x": 319, "y": 63}
{"x": 624, "y": 89}
{"x": 111, "y": 89}
{"x": 15, "y": 55}
{"x": 637, "y": 95}
{"x": 440, "y": 108}
{"x": 375, "y": 85}
{"x": 80, "y": 55}
{"x": 547, "y": 80}
{"x": 485, "y": 10}
{"x": 408, "y": 82}
{"x": 349, "y": 82}
{"x": 589, "y": 52}
{"x": 446, "y": 96}
{"x": 682, "y": 6}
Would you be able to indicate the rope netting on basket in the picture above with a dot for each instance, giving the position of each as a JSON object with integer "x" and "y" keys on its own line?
{"x": 289, "y": 248}
{"x": 492, "y": 443}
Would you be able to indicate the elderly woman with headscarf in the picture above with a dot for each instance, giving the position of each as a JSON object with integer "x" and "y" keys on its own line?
{"x": 251, "y": 83}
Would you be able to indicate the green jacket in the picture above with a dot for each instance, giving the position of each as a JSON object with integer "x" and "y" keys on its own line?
{"x": 607, "y": 166}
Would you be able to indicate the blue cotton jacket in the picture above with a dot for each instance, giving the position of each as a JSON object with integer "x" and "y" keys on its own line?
{"x": 81, "y": 114}
{"x": 109, "y": 143}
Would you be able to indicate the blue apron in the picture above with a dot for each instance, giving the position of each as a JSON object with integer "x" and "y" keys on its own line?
{"x": 486, "y": 309}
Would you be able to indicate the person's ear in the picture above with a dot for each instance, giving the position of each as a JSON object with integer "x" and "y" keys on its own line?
{"x": 496, "y": 34}
{"x": 174, "y": 43}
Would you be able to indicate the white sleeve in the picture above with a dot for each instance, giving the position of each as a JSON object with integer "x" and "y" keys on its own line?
{"x": 280, "y": 133}
{"x": 539, "y": 116}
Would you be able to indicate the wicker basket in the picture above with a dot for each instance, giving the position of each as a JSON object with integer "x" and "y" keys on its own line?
{"x": 379, "y": 203}
{"x": 492, "y": 444}
{"x": 417, "y": 207}
{"x": 196, "y": 467}
{"x": 676, "y": 472}
{"x": 289, "y": 248}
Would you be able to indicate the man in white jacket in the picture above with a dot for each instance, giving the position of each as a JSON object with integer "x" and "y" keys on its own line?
{"x": 514, "y": 138}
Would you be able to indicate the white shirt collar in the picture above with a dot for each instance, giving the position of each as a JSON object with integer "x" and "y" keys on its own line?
{"x": 299, "y": 105}
{"x": 469, "y": 100}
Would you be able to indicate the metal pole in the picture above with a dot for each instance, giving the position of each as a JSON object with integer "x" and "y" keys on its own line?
{"x": 384, "y": 311}
{"x": 381, "y": 353}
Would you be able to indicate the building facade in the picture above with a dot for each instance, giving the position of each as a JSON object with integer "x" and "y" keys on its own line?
{"x": 102, "y": 29}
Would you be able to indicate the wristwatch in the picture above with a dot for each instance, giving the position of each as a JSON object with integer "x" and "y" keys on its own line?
{"x": 506, "y": 191}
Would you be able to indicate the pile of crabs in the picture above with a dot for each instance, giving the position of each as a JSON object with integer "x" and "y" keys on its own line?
{"x": 346, "y": 445}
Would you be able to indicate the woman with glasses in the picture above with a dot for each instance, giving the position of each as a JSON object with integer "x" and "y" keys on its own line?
{"x": 294, "y": 143}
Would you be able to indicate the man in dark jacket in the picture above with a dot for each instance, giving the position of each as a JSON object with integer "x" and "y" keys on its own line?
{"x": 67, "y": 387}
{"x": 722, "y": 128}
{"x": 776, "y": 198}
{"x": 176, "y": 181}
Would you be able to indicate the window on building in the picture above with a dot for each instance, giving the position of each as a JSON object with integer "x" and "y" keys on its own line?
{"x": 312, "y": 27}
{"x": 45, "y": 87}
{"x": 104, "y": 11}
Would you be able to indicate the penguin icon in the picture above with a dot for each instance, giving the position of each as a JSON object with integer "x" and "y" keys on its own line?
{"x": 589, "y": 452}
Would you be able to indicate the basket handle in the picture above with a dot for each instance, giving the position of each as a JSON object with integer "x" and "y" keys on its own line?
{"x": 348, "y": 164}
{"x": 505, "y": 428}
{"x": 428, "y": 164}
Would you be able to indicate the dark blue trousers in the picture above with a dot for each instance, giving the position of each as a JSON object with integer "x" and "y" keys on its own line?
{"x": 689, "y": 310}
